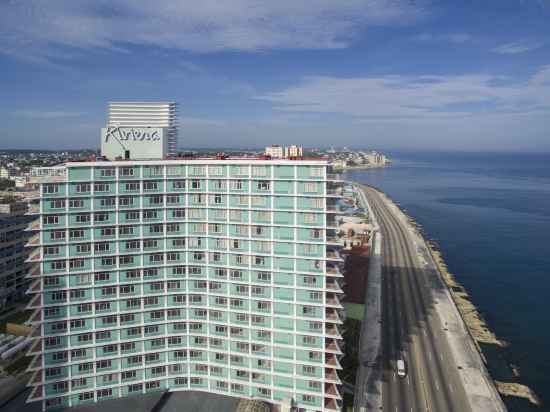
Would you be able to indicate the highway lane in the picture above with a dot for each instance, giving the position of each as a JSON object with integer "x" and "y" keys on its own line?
{"x": 411, "y": 328}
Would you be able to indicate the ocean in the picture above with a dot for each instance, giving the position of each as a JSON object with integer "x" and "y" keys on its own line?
{"x": 490, "y": 215}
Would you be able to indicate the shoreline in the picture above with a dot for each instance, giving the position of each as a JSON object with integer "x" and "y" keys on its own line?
{"x": 361, "y": 167}
{"x": 476, "y": 326}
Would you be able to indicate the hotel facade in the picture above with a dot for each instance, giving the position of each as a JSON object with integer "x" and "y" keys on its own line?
{"x": 206, "y": 274}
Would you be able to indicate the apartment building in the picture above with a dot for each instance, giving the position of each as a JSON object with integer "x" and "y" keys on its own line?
{"x": 13, "y": 254}
{"x": 218, "y": 275}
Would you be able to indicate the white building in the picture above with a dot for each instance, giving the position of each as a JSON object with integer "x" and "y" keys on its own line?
{"x": 275, "y": 151}
{"x": 130, "y": 121}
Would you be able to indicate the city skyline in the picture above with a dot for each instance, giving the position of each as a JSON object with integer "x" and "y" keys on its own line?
{"x": 390, "y": 75}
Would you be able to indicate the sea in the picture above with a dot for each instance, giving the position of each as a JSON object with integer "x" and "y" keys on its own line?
{"x": 490, "y": 215}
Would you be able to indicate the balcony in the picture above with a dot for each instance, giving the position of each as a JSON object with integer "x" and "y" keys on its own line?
{"x": 334, "y": 286}
{"x": 332, "y": 361}
{"x": 36, "y": 348}
{"x": 35, "y": 287}
{"x": 36, "y": 394}
{"x": 333, "y": 301}
{"x": 34, "y": 225}
{"x": 333, "y": 271}
{"x": 34, "y": 209}
{"x": 333, "y": 404}
{"x": 334, "y": 255}
{"x": 331, "y": 345}
{"x": 36, "y": 364}
{"x": 333, "y": 332}
{"x": 331, "y": 315}
{"x": 34, "y": 256}
{"x": 332, "y": 376}
{"x": 34, "y": 272}
{"x": 36, "y": 302}
{"x": 33, "y": 241}
{"x": 36, "y": 317}
{"x": 332, "y": 390}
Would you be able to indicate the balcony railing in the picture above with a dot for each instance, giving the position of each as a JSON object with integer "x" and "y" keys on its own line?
{"x": 33, "y": 240}
{"x": 36, "y": 393}
{"x": 34, "y": 225}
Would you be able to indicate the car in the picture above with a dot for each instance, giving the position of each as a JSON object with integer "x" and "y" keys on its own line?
{"x": 401, "y": 368}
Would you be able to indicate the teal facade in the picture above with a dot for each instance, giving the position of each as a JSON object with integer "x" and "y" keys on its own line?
{"x": 177, "y": 275}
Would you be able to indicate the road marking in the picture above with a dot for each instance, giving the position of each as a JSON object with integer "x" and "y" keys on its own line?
{"x": 436, "y": 385}
{"x": 440, "y": 356}
{"x": 430, "y": 355}
{"x": 408, "y": 380}
{"x": 451, "y": 388}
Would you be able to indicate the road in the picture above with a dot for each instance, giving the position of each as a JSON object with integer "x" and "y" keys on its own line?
{"x": 411, "y": 328}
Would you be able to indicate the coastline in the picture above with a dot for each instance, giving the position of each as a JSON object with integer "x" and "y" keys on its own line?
{"x": 361, "y": 167}
{"x": 473, "y": 321}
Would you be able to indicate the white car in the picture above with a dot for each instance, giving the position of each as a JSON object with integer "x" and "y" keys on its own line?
{"x": 401, "y": 368}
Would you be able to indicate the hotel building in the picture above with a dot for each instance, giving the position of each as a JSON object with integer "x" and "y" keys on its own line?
{"x": 206, "y": 274}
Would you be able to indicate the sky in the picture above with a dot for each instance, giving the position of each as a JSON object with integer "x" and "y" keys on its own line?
{"x": 399, "y": 74}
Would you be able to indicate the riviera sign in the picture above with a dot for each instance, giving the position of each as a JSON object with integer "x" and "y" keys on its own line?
{"x": 132, "y": 134}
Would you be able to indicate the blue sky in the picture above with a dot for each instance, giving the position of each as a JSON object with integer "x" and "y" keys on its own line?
{"x": 464, "y": 75}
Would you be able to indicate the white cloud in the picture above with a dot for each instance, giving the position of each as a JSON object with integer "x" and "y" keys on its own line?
{"x": 36, "y": 29}
{"x": 456, "y": 38}
{"x": 415, "y": 97}
{"x": 520, "y": 46}
{"x": 45, "y": 114}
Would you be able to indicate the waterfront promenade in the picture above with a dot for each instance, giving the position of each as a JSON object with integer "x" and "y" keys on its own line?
{"x": 421, "y": 324}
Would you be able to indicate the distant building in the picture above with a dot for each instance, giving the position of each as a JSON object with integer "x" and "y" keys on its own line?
{"x": 4, "y": 173}
{"x": 275, "y": 151}
{"x": 280, "y": 152}
{"x": 13, "y": 254}
{"x": 293, "y": 151}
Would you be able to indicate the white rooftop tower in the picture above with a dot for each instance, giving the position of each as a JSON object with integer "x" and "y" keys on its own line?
{"x": 147, "y": 114}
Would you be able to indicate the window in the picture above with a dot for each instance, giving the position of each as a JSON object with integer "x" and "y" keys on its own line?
{"x": 258, "y": 201}
{"x": 155, "y": 200}
{"x": 76, "y": 203}
{"x": 107, "y": 231}
{"x": 215, "y": 171}
{"x": 51, "y": 220}
{"x": 263, "y": 185}
{"x": 179, "y": 184}
{"x": 174, "y": 170}
{"x": 126, "y": 230}
{"x": 101, "y": 217}
{"x": 172, "y": 199}
{"x": 310, "y": 218}
{"x": 236, "y": 185}
{"x": 102, "y": 187}
{"x": 57, "y": 234}
{"x": 126, "y": 171}
{"x": 316, "y": 172}
{"x": 126, "y": 201}
{"x": 82, "y": 218}
{"x": 50, "y": 188}
{"x": 82, "y": 188}
{"x": 107, "y": 172}
{"x": 195, "y": 184}
{"x": 310, "y": 187}
{"x": 264, "y": 276}
{"x": 149, "y": 214}
{"x": 54, "y": 250}
{"x": 150, "y": 186}
{"x": 259, "y": 171}
{"x": 132, "y": 187}
{"x": 57, "y": 204}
